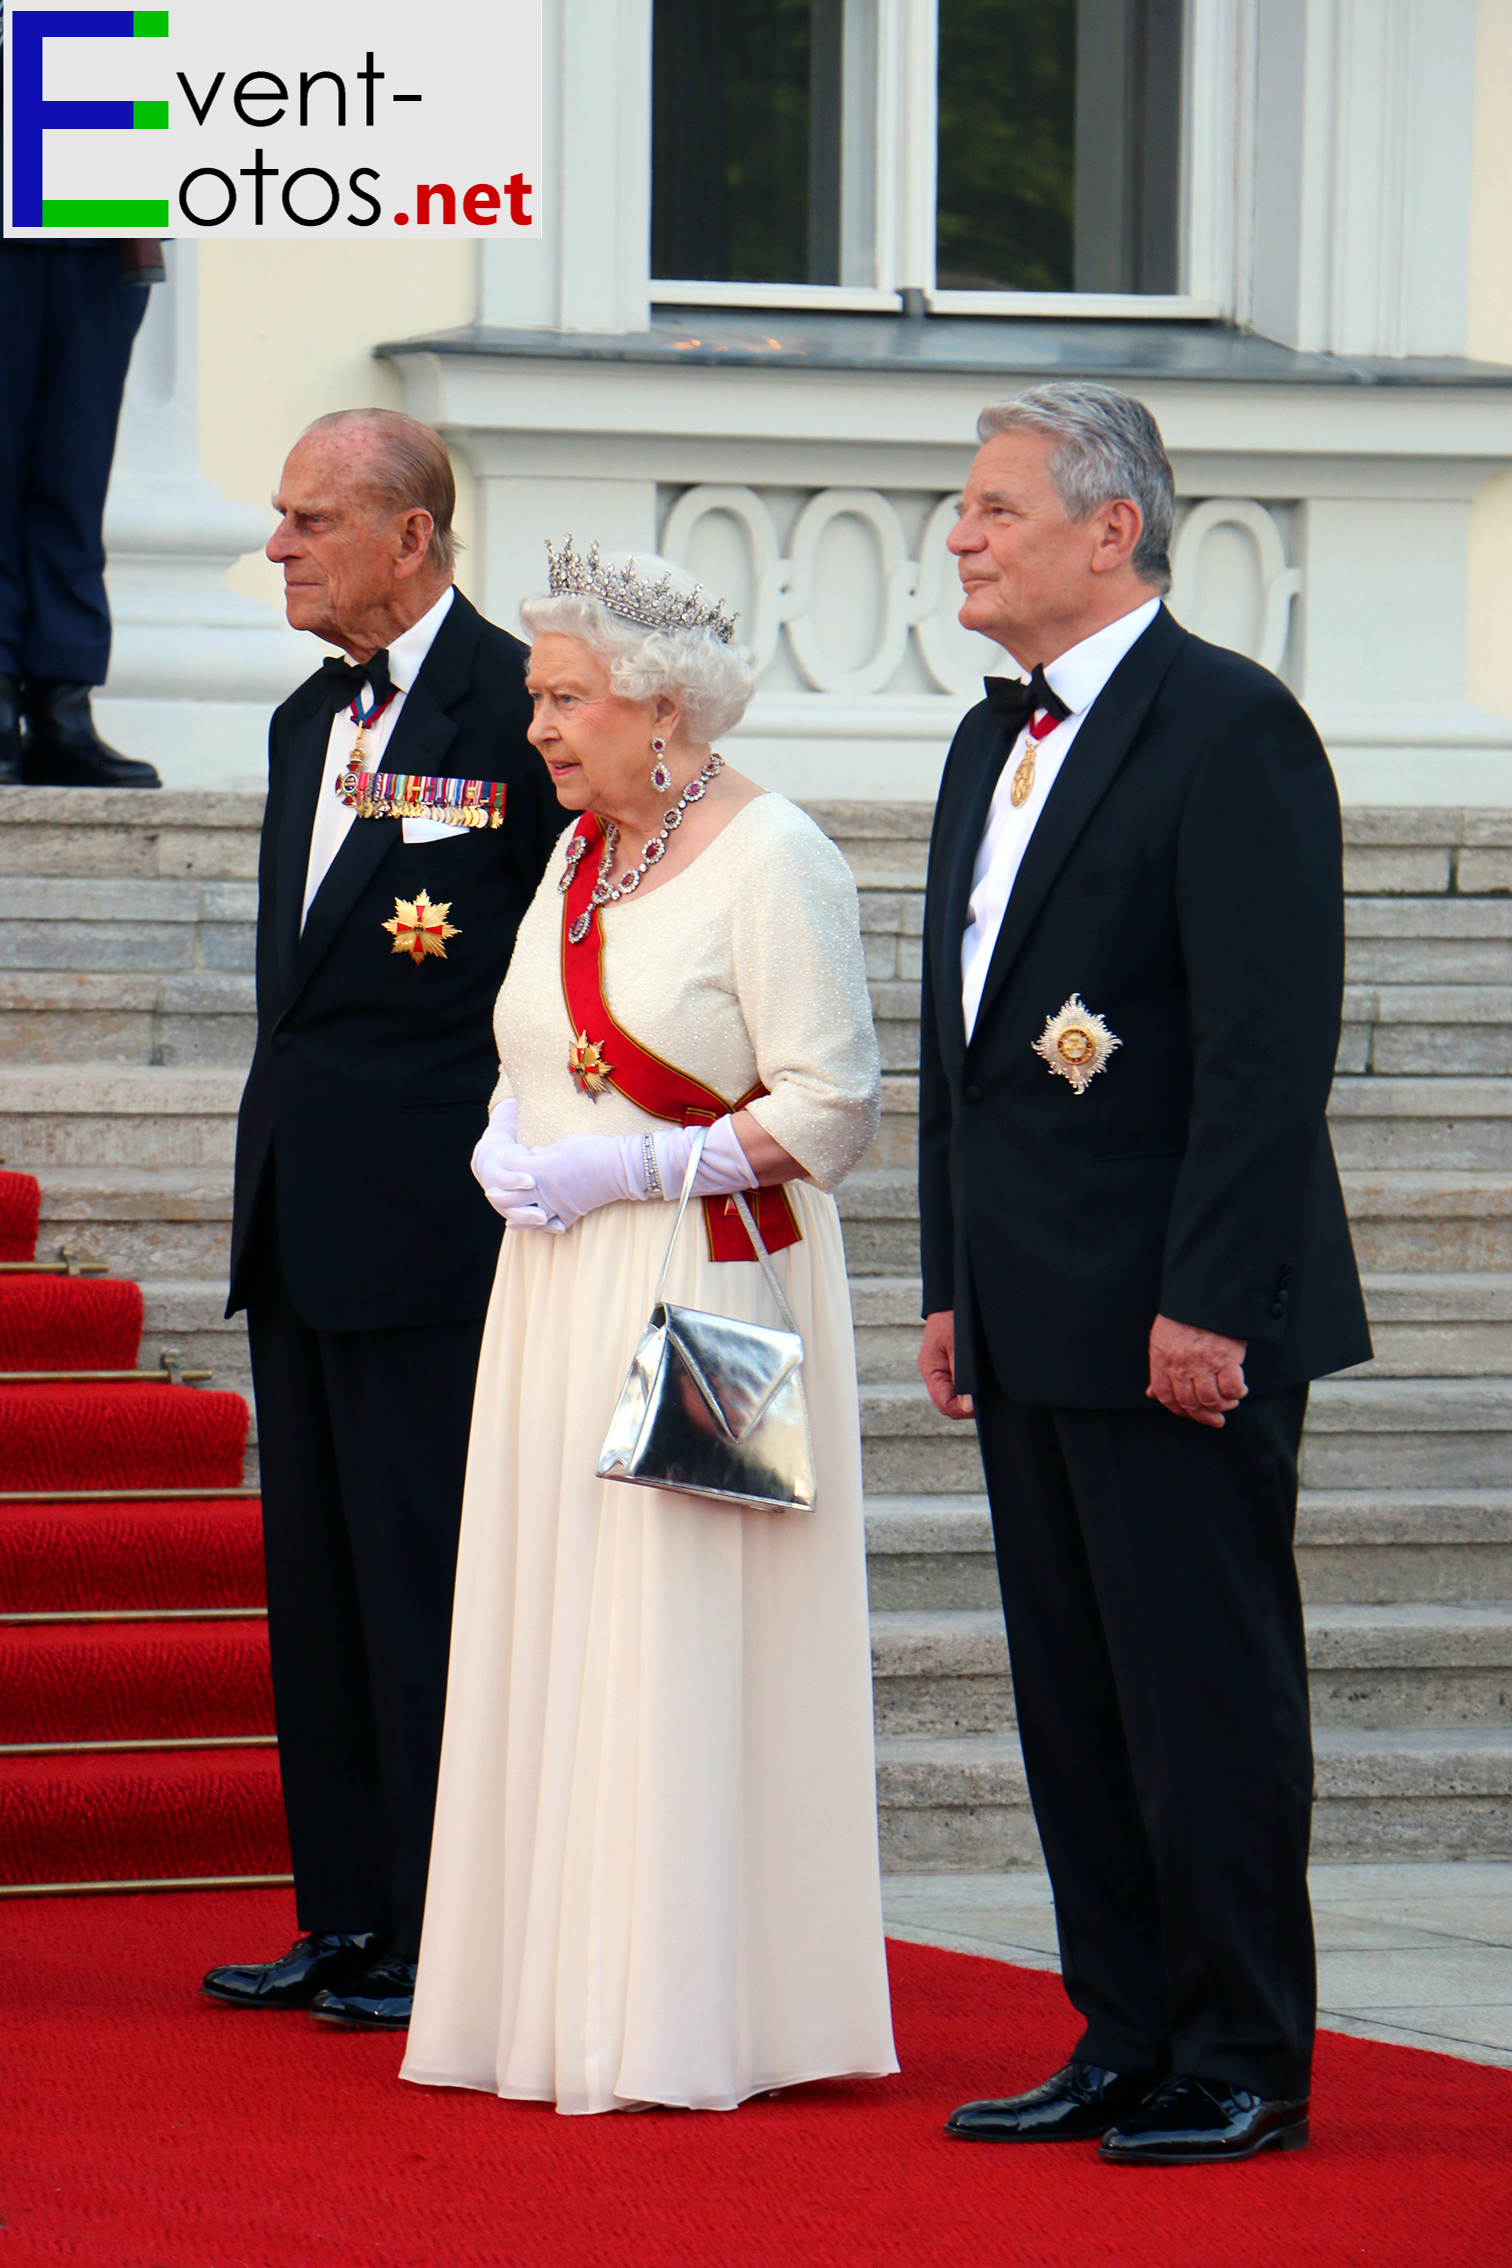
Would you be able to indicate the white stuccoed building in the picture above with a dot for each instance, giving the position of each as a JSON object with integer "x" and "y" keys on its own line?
{"x": 1282, "y": 223}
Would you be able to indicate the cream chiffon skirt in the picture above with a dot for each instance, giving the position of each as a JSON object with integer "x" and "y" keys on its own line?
{"x": 654, "y": 1876}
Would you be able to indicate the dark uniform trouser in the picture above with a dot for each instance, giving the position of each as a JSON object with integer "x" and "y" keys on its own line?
{"x": 67, "y": 323}
{"x": 363, "y": 1443}
{"x": 1160, "y": 1674}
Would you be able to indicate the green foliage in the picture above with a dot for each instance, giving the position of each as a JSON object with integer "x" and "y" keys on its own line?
{"x": 1007, "y": 145}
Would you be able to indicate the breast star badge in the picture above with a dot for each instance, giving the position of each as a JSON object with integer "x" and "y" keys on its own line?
{"x": 419, "y": 928}
{"x": 1076, "y": 1044}
{"x": 590, "y": 1072}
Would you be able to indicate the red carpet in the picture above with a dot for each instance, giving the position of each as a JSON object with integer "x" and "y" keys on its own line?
{"x": 69, "y": 1323}
{"x": 20, "y": 1208}
{"x": 146, "y": 2128}
{"x": 90, "y": 1681}
{"x": 127, "y": 1734}
{"x": 126, "y": 1558}
{"x": 138, "y": 1816}
{"x": 121, "y": 1437}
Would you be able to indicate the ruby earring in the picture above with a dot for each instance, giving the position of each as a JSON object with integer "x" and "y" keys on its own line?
{"x": 661, "y": 778}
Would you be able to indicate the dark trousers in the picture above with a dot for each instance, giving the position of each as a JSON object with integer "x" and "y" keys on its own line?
{"x": 67, "y": 322}
{"x": 363, "y": 1440}
{"x": 1160, "y": 1674}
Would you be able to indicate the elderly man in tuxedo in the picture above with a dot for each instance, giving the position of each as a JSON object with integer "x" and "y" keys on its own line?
{"x": 1135, "y": 1258}
{"x": 407, "y": 826}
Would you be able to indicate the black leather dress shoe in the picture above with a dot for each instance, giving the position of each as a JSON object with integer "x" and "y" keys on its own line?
{"x": 1076, "y": 2105}
{"x": 11, "y": 774}
{"x": 1200, "y": 2122}
{"x": 379, "y": 2001}
{"x": 332, "y": 1958}
{"x": 62, "y": 748}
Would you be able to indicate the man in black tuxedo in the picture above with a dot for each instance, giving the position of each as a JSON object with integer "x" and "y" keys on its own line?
{"x": 362, "y": 1248}
{"x": 1135, "y": 1259}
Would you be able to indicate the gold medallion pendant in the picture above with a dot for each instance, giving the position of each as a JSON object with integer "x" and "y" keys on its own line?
{"x": 1023, "y": 779}
{"x": 419, "y": 928}
{"x": 1076, "y": 1044}
{"x": 590, "y": 1072}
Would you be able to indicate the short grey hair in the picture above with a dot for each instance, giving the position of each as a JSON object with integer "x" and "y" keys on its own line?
{"x": 409, "y": 471}
{"x": 1109, "y": 447}
{"x": 711, "y": 682}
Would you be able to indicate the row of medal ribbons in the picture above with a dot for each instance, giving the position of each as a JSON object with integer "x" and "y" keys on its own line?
{"x": 419, "y": 795}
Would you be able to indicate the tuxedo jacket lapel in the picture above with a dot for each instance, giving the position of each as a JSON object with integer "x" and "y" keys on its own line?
{"x": 304, "y": 770}
{"x": 964, "y": 820}
{"x": 1096, "y": 755}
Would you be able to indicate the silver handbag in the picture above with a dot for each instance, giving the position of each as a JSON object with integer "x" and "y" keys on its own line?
{"x": 713, "y": 1406}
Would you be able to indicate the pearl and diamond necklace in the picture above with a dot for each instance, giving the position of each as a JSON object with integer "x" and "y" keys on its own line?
{"x": 607, "y": 894}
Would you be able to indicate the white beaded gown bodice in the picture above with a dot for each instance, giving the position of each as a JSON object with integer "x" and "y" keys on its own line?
{"x": 744, "y": 967}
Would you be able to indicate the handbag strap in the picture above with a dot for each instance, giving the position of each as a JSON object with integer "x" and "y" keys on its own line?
{"x": 695, "y": 1159}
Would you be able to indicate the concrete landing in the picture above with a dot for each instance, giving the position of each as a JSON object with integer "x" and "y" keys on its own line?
{"x": 1417, "y": 1955}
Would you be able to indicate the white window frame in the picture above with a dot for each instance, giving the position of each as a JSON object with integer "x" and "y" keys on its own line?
{"x": 899, "y": 176}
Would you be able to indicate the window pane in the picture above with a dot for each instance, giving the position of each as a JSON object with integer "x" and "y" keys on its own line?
{"x": 1059, "y": 145}
{"x": 746, "y": 140}
{"x": 1007, "y": 154}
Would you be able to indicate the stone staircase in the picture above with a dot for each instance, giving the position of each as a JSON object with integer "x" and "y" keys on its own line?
{"x": 126, "y": 1021}
{"x": 126, "y": 1025}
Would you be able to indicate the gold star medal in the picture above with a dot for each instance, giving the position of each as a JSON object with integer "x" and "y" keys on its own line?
{"x": 1076, "y": 1044}
{"x": 590, "y": 1072}
{"x": 419, "y": 928}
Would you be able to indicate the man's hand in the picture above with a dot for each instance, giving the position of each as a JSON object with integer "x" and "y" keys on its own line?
{"x": 1195, "y": 1374}
{"x": 937, "y": 1365}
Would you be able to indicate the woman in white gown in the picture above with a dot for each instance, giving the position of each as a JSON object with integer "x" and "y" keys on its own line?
{"x": 654, "y": 1876}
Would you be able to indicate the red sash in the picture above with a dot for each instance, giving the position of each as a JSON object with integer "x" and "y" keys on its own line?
{"x": 645, "y": 1079}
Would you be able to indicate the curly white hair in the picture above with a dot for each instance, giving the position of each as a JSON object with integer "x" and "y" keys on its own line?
{"x": 711, "y": 682}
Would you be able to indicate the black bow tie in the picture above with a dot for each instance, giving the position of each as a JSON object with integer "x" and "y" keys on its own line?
{"x": 1014, "y": 700}
{"x": 342, "y": 682}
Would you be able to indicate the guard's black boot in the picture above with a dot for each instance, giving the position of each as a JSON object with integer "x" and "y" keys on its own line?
{"x": 62, "y": 748}
{"x": 11, "y": 774}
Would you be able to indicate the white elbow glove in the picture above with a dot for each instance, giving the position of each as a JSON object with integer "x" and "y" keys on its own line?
{"x": 552, "y": 1187}
{"x": 723, "y": 1167}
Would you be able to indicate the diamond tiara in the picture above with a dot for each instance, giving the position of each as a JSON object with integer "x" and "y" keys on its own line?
{"x": 660, "y": 605}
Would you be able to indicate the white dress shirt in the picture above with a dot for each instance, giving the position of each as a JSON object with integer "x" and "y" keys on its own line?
{"x": 1078, "y": 676}
{"x": 333, "y": 818}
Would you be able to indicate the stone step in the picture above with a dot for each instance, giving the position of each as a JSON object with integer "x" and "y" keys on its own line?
{"x": 908, "y": 1449}
{"x": 961, "y": 1805}
{"x": 930, "y": 1554}
{"x": 1412, "y": 1433}
{"x": 144, "y": 1222}
{"x": 1442, "y": 1030}
{"x": 199, "y": 1016}
{"x": 1420, "y": 1124}
{"x": 879, "y": 1217}
{"x": 1400, "y": 1547}
{"x": 1437, "y": 1668}
{"x": 885, "y": 1312}
{"x": 118, "y": 834}
{"x": 1439, "y": 1326}
{"x": 76, "y": 1114}
{"x": 1362, "y": 1433}
{"x": 190, "y": 1317}
{"x": 1354, "y": 1547}
{"x": 1428, "y": 941}
{"x": 125, "y": 925}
